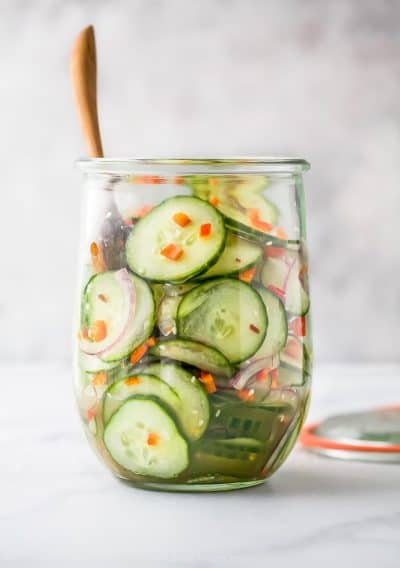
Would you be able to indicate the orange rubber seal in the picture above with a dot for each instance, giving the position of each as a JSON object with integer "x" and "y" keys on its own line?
{"x": 310, "y": 440}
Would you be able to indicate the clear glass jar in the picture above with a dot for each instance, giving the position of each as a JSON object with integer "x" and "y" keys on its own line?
{"x": 193, "y": 342}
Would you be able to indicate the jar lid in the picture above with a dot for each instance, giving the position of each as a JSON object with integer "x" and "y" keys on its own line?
{"x": 372, "y": 435}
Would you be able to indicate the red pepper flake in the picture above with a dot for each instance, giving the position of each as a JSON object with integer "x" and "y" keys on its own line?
{"x": 281, "y": 233}
{"x": 172, "y": 252}
{"x": 277, "y": 291}
{"x": 128, "y": 222}
{"x": 102, "y": 297}
{"x": 205, "y": 230}
{"x": 148, "y": 179}
{"x": 254, "y": 328}
{"x": 83, "y": 333}
{"x": 151, "y": 341}
{"x": 214, "y": 200}
{"x": 178, "y": 180}
{"x": 263, "y": 375}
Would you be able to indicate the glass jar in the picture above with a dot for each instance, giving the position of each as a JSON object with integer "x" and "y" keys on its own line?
{"x": 193, "y": 362}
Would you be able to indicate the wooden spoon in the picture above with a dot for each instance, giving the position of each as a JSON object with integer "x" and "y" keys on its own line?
{"x": 109, "y": 232}
{"x": 84, "y": 81}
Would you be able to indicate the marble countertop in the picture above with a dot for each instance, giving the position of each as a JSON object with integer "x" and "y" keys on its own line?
{"x": 60, "y": 508}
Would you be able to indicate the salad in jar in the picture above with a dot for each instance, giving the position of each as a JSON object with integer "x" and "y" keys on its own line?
{"x": 193, "y": 350}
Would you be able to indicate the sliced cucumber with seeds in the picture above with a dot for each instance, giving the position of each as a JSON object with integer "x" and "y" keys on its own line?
{"x": 277, "y": 331}
{"x": 142, "y": 437}
{"x": 283, "y": 273}
{"x": 226, "y": 314}
{"x": 239, "y": 254}
{"x": 147, "y": 245}
{"x": 139, "y": 384}
{"x": 193, "y": 353}
{"x": 194, "y": 412}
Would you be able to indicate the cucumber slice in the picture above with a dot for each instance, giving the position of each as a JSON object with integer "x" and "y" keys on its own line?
{"x": 158, "y": 229}
{"x": 283, "y": 273}
{"x": 128, "y": 324}
{"x": 194, "y": 412}
{"x": 238, "y": 254}
{"x": 226, "y": 314}
{"x": 93, "y": 364}
{"x": 241, "y": 457}
{"x": 277, "y": 331}
{"x": 291, "y": 377}
{"x": 139, "y": 384}
{"x": 236, "y": 198}
{"x": 295, "y": 356}
{"x": 193, "y": 353}
{"x": 166, "y": 317}
{"x": 144, "y": 439}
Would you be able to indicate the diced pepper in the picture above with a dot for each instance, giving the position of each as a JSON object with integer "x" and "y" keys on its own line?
{"x": 214, "y": 200}
{"x": 152, "y": 439}
{"x": 248, "y": 275}
{"x": 181, "y": 219}
{"x": 298, "y": 326}
{"x": 172, "y": 252}
{"x": 294, "y": 348}
{"x": 205, "y": 230}
{"x": 132, "y": 381}
{"x": 254, "y": 217}
{"x": 246, "y": 394}
{"x": 263, "y": 375}
{"x": 274, "y": 252}
{"x": 254, "y": 328}
{"x": 142, "y": 211}
{"x": 274, "y": 378}
{"x": 97, "y": 258}
{"x": 138, "y": 353}
{"x": 277, "y": 291}
{"x": 281, "y": 233}
{"x": 208, "y": 381}
{"x": 99, "y": 379}
{"x": 90, "y": 414}
{"x": 98, "y": 330}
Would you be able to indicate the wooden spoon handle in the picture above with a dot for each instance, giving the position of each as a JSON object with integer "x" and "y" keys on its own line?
{"x": 84, "y": 81}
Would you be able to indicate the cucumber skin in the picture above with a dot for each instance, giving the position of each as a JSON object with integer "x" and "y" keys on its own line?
{"x": 213, "y": 282}
{"x": 196, "y": 272}
{"x": 226, "y": 371}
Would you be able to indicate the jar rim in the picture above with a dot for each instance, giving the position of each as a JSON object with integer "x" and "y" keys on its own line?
{"x": 196, "y": 165}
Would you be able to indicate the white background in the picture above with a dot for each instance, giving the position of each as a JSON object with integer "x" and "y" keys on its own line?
{"x": 313, "y": 78}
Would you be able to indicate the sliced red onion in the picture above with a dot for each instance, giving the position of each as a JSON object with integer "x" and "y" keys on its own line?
{"x": 102, "y": 348}
{"x": 240, "y": 380}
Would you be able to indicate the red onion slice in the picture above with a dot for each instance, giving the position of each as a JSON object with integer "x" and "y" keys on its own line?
{"x": 240, "y": 380}
{"x": 128, "y": 290}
